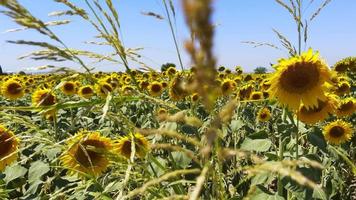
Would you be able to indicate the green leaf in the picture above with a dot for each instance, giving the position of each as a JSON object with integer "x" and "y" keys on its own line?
{"x": 318, "y": 193}
{"x": 259, "y": 145}
{"x": 181, "y": 159}
{"x": 261, "y": 192}
{"x": 37, "y": 170}
{"x": 316, "y": 138}
{"x": 13, "y": 172}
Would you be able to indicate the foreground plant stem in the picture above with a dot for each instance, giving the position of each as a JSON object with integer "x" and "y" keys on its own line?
{"x": 280, "y": 158}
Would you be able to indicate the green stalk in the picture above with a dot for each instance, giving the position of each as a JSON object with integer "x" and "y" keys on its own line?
{"x": 173, "y": 35}
{"x": 280, "y": 158}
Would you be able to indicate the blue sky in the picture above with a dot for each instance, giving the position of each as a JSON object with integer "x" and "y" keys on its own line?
{"x": 333, "y": 33}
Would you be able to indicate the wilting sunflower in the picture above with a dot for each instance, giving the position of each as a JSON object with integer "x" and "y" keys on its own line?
{"x": 346, "y": 107}
{"x": 69, "y": 88}
{"x": 87, "y": 153}
{"x": 43, "y": 97}
{"x": 123, "y": 145}
{"x": 12, "y": 89}
{"x": 338, "y": 132}
{"x": 245, "y": 92}
{"x": 155, "y": 88}
{"x": 299, "y": 80}
{"x": 103, "y": 88}
{"x": 319, "y": 113}
{"x": 8, "y": 146}
{"x": 86, "y": 91}
{"x": 264, "y": 115}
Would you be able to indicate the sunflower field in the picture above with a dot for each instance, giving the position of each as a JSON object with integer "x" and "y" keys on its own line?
{"x": 187, "y": 132}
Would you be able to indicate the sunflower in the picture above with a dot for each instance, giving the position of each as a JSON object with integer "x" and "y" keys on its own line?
{"x": 227, "y": 86}
{"x": 338, "y": 132}
{"x": 155, "y": 88}
{"x": 346, "y": 107}
{"x": 342, "y": 88}
{"x": 194, "y": 97}
{"x": 43, "y": 97}
{"x": 245, "y": 92}
{"x": 256, "y": 95}
{"x": 103, "y": 88}
{"x": 264, "y": 115}
{"x": 12, "y": 89}
{"x": 299, "y": 80}
{"x": 69, "y": 88}
{"x": 8, "y": 147}
{"x": 123, "y": 145}
{"x": 319, "y": 113}
{"x": 127, "y": 90}
{"x": 177, "y": 88}
{"x": 87, "y": 153}
{"x": 86, "y": 91}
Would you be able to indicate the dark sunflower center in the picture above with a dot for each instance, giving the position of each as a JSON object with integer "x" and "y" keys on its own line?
{"x": 346, "y": 106}
{"x": 300, "y": 78}
{"x": 5, "y": 143}
{"x": 256, "y": 96}
{"x": 336, "y": 132}
{"x": 87, "y": 90}
{"x": 156, "y": 88}
{"x": 226, "y": 86}
{"x": 86, "y": 155}
{"x": 126, "y": 148}
{"x": 47, "y": 99}
{"x": 263, "y": 115}
{"x": 344, "y": 87}
{"x": 14, "y": 88}
{"x": 69, "y": 87}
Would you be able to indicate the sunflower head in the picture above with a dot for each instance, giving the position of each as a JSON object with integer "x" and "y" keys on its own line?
{"x": 177, "y": 88}
{"x": 264, "y": 115}
{"x": 69, "y": 88}
{"x": 103, "y": 88}
{"x": 346, "y": 107}
{"x": 227, "y": 87}
{"x": 194, "y": 97}
{"x": 256, "y": 95}
{"x": 155, "y": 88}
{"x": 87, "y": 153}
{"x": 12, "y": 89}
{"x": 43, "y": 97}
{"x": 338, "y": 132}
{"x": 86, "y": 91}
{"x": 342, "y": 88}
{"x": 299, "y": 80}
{"x": 318, "y": 113}
{"x": 123, "y": 146}
{"x": 8, "y": 147}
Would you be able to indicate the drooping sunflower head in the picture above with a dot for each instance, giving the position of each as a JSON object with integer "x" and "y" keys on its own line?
{"x": 319, "y": 113}
{"x": 127, "y": 90}
{"x": 86, "y": 91}
{"x": 87, "y": 154}
{"x": 155, "y": 88}
{"x": 338, "y": 132}
{"x": 123, "y": 146}
{"x": 8, "y": 147}
{"x": 346, "y": 107}
{"x": 245, "y": 92}
{"x": 43, "y": 97}
{"x": 12, "y": 89}
{"x": 69, "y": 88}
{"x": 299, "y": 80}
{"x": 263, "y": 115}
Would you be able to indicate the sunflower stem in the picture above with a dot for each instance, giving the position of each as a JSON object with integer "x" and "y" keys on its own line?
{"x": 280, "y": 158}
